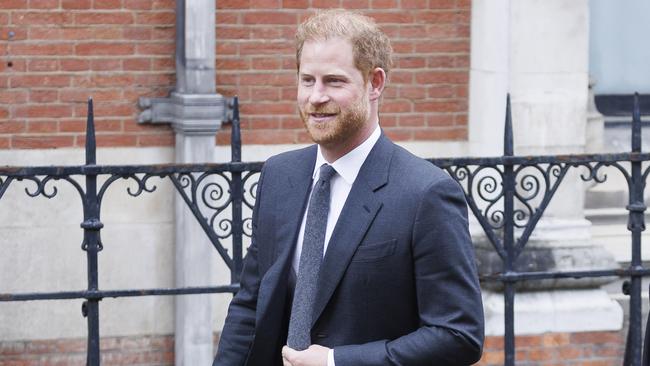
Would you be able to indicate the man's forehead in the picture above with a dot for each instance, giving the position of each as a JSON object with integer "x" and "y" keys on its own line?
{"x": 332, "y": 56}
{"x": 328, "y": 40}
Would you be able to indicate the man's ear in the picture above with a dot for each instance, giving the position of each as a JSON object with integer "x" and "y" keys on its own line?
{"x": 377, "y": 80}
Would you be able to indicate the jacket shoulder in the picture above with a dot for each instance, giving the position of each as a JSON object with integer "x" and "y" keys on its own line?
{"x": 417, "y": 170}
{"x": 289, "y": 159}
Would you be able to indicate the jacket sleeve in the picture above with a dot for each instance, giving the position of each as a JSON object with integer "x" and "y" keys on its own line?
{"x": 239, "y": 328}
{"x": 447, "y": 287}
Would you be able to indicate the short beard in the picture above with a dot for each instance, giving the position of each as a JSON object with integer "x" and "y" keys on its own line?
{"x": 346, "y": 125}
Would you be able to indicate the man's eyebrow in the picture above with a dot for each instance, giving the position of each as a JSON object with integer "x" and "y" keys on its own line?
{"x": 326, "y": 76}
{"x": 336, "y": 76}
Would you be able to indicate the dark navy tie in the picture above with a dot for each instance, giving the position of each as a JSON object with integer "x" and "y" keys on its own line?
{"x": 299, "y": 337}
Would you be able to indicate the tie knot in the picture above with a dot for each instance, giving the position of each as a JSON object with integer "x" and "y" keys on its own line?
{"x": 326, "y": 172}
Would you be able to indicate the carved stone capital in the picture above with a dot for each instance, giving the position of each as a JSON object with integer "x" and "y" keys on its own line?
{"x": 190, "y": 114}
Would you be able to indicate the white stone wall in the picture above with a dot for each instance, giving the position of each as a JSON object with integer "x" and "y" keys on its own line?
{"x": 41, "y": 245}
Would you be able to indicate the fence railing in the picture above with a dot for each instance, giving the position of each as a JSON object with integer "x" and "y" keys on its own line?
{"x": 504, "y": 196}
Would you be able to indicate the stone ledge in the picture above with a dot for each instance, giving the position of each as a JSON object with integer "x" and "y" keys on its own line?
{"x": 560, "y": 311}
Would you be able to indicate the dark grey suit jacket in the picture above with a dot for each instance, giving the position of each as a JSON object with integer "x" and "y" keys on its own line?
{"x": 398, "y": 285}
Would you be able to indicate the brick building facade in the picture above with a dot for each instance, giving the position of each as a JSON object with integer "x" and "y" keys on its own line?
{"x": 57, "y": 53}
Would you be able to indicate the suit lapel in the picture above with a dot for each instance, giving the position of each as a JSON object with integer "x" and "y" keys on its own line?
{"x": 290, "y": 204}
{"x": 359, "y": 211}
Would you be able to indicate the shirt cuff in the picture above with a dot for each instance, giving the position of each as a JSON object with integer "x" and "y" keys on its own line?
{"x": 330, "y": 358}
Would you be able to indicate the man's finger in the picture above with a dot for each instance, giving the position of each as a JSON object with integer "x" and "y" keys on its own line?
{"x": 288, "y": 355}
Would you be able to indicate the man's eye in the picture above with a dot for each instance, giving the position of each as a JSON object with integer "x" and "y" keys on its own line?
{"x": 307, "y": 81}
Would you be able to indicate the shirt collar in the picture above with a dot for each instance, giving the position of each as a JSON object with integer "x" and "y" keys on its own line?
{"x": 348, "y": 165}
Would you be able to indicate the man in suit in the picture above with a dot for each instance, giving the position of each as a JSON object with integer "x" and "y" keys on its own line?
{"x": 393, "y": 280}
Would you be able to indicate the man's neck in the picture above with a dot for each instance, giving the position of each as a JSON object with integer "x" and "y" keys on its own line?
{"x": 333, "y": 153}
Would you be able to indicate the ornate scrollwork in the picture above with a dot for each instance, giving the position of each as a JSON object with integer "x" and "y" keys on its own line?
{"x": 247, "y": 226}
{"x": 459, "y": 173}
{"x": 212, "y": 193}
{"x": 250, "y": 181}
{"x": 487, "y": 186}
{"x": 530, "y": 186}
{"x": 529, "y": 182}
{"x": 496, "y": 217}
{"x": 593, "y": 172}
{"x": 42, "y": 185}
{"x": 208, "y": 195}
{"x": 485, "y": 183}
{"x": 142, "y": 184}
{"x": 534, "y": 185}
{"x": 186, "y": 180}
{"x": 482, "y": 190}
{"x": 214, "y": 197}
{"x": 225, "y": 227}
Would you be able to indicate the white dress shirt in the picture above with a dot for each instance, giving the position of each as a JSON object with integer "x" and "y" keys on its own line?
{"x": 347, "y": 168}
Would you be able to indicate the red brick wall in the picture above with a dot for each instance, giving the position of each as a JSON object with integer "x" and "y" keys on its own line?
{"x": 553, "y": 349}
{"x": 559, "y": 349}
{"x": 64, "y": 51}
{"x": 118, "y": 50}
{"x": 139, "y": 350}
{"x": 426, "y": 98}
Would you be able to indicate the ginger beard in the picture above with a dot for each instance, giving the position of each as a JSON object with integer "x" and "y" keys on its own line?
{"x": 347, "y": 123}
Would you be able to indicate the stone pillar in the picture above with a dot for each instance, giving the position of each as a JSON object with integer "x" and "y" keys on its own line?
{"x": 195, "y": 260}
{"x": 538, "y": 51}
{"x": 489, "y": 76}
{"x": 196, "y": 112}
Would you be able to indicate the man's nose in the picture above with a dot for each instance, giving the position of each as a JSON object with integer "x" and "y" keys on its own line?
{"x": 318, "y": 95}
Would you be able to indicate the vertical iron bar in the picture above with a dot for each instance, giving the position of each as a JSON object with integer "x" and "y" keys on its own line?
{"x": 636, "y": 224}
{"x": 508, "y": 239}
{"x": 237, "y": 195}
{"x": 91, "y": 226}
{"x": 235, "y": 138}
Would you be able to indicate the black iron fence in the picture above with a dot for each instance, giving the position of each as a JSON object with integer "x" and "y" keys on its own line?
{"x": 504, "y": 196}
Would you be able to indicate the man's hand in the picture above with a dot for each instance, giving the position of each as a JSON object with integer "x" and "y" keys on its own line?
{"x": 315, "y": 355}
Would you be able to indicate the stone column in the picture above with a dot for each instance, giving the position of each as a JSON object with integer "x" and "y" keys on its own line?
{"x": 196, "y": 112}
{"x": 195, "y": 260}
{"x": 538, "y": 51}
{"x": 489, "y": 76}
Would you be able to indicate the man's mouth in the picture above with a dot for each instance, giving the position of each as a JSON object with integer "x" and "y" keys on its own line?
{"x": 322, "y": 116}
